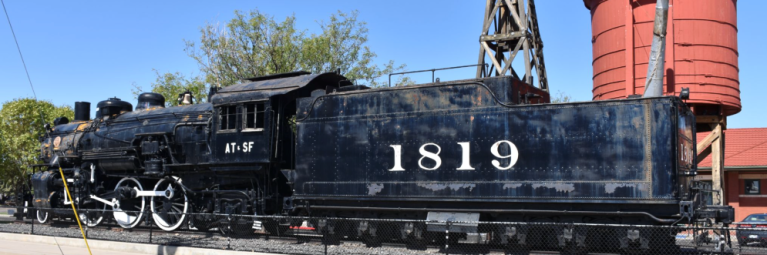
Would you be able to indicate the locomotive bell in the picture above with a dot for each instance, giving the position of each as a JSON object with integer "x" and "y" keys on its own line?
{"x": 185, "y": 98}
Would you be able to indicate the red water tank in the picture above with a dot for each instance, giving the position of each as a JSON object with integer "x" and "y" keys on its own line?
{"x": 701, "y": 51}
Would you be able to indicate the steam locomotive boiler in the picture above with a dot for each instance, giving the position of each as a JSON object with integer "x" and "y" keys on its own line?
{"x": 490, "y": 149}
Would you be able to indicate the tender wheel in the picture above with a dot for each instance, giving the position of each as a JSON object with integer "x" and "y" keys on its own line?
{"x": 128, "y": 212}
{"x": 197, "y": 224}
{"x": 235, "y": 225}
{"x": 371, "y": 241}
{"x": 42, "y": 217}
{"x": 169, "y": 211}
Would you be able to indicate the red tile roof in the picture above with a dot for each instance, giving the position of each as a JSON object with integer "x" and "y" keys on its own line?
{"x": 742, "y": 147}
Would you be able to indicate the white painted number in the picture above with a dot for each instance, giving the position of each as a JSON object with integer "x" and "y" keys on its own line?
{"x": 432, "y": 156}
{"x": 686, "y": 153}
{"x": 397, "y": 158}
{"x": 465, "y": 159}
{"x": 513, "y": 155}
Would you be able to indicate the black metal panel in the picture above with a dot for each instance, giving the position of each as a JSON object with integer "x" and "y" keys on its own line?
{"x": 42, "y": 182}
{"x": 242, "y": 146}
{"x": 606, "y": 151}
{"x": 264, "y": 89}
{"x": 117, "y": 142}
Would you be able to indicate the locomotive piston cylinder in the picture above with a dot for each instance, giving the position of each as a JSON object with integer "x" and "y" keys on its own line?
{"x": 153, "y": 167}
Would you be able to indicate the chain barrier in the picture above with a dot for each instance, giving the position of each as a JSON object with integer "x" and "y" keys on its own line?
{"x": 328, "y": 235}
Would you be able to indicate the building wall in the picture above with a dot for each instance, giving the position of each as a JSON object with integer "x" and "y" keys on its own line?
{"x": 743, "y": 203}
{"x": 735, "y": 185}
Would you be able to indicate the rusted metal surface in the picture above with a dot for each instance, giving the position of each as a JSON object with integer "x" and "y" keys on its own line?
{"x": 702, "y": 51}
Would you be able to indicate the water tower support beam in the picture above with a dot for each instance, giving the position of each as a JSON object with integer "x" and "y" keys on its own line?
{"x": 511, "y": 26}
{"x": 715, "y": 140}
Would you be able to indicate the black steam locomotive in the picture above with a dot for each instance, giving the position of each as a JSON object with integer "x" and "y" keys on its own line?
{"x": 491, "y": 149}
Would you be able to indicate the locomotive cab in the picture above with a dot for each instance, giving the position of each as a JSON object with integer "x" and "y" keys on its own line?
{"x": 253, "y": 126}
{"x": 252, "y": 120}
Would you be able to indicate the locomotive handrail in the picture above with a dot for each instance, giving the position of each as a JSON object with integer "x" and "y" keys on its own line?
{"x": 434, "y": 70}
{"x": 151, "y": 133}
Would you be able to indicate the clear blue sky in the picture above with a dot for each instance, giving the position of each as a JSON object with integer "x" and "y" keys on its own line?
{"x": 92, "y": 50}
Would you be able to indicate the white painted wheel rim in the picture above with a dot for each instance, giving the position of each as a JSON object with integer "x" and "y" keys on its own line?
{"x": 129, "y": 218}
{"x": 92, "y": 222}
{"x": 42, "y": 217}
{"x": 173, "y": 221}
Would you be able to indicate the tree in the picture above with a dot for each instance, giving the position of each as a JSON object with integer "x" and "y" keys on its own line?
{"x": 20, "y": 127}
{"x": 560, "y": 97}
{"x": 254, "y": 44}
{"x": 341, "y": 46}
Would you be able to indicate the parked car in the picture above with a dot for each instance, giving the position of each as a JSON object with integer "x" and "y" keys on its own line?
{"x": 753, "y": 229}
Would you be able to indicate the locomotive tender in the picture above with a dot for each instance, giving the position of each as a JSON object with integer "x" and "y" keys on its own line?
{"x": 490, "y": 149}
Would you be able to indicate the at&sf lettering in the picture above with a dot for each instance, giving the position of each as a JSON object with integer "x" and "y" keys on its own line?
{"x": 235, "y": 147}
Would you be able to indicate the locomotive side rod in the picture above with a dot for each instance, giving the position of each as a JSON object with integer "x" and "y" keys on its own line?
{"x": 659, "y": 220}
{"x": 167, "y": 193}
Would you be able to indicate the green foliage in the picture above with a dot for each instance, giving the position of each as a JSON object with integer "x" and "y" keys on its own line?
{"x": 255, "y": 44}
{"x": 20, "y": 128}
{"x": 341, "y": 46}
{"x": 560, "y": 97}
{"x": 170, "y": 85}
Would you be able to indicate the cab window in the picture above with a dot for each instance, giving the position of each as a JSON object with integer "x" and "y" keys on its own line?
{"x": 227, "y": 118}
{"x": 254, "y": 117}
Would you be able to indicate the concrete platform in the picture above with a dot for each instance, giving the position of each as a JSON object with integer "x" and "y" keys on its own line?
{"x": 7, "y": 218}
{"x": 20, "y": 244}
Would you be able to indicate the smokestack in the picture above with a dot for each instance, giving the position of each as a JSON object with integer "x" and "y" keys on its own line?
{"x": 82, "y": 111}
{"x": 655, "y": 68}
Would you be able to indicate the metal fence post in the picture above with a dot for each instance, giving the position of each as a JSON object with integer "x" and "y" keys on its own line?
{"x": 151, "y": 225}
{"x": 324, "y": 237}
{"x": 32, "y": 231}
{"x": 229, "y": 232}
{"x": 447, "y": 237}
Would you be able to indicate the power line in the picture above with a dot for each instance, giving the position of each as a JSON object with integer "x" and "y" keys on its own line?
{"x": 19, "y": 49}
{"x": 42, "y": 119}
